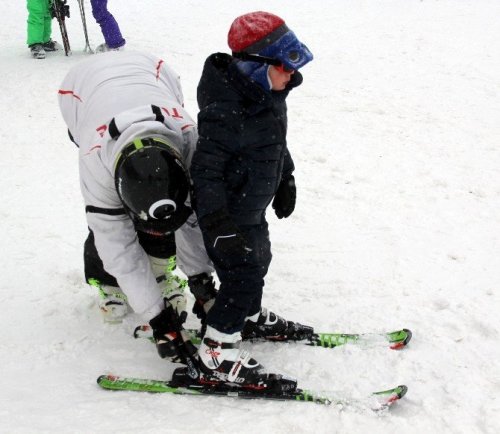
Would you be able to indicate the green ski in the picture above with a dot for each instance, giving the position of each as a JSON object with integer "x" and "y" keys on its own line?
{"x": 376, "y": 401}
{"x": 395, "y": 340}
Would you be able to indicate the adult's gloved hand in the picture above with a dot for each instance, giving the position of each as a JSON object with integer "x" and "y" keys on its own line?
{"x": 284, "y": 199}
{"x": 177, "y": 299}
{"x": 223, "y": 234}
{"x": 171, "y": 340}
{"x": 202, "y": 286}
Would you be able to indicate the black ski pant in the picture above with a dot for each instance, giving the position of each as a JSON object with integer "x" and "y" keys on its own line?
{"x": 241, "y": 280}
{"x": 157, "y": 246}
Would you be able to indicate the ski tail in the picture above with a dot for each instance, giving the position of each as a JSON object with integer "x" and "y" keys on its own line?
{"x": 399, "y": 339}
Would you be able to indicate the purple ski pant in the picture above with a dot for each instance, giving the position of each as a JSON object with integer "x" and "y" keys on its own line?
{"x": 109, "y": 26}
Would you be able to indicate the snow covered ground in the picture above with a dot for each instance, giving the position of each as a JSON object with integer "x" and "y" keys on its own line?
{"x": 396, "y": 139}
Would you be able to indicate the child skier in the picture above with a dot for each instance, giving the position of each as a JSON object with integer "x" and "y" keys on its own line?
{"x": 40, "y": 28}
{"x": 241, "y": 164}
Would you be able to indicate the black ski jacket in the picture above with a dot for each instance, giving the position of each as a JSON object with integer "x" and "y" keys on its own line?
{"x": 242, "y": 154}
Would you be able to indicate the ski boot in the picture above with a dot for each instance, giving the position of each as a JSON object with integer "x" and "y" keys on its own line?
{"x": 267, "y": 325}
{"x": 112, "y": 301}
{"x": 103, "y": 48}
{"x": 51, "y": 46}
{"x": 37, "y": 51}
{"x": 171, "y": 285}
{"x": 223, "y": 364}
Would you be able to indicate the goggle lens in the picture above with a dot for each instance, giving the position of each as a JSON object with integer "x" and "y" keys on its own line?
{"x": 294, "y": 56}
{"x": 283, "y": 68}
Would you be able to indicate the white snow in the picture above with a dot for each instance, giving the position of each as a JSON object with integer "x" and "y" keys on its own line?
{"x": 396, "y": 139}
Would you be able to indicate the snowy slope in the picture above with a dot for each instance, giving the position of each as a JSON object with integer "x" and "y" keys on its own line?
{"x": 395, "y": 134}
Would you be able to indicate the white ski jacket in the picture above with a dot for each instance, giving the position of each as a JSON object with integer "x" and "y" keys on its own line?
{"x": 106, "y": 102}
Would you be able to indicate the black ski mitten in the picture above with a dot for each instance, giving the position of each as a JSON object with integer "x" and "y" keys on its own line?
{"x": 284, "y": 199}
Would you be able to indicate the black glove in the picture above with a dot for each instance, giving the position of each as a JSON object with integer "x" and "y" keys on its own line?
{"x": 202, "y": 286}
{"x": 223, "y": 234}
{"x": 284, "y": 199}
{"x": 171, "y": 340}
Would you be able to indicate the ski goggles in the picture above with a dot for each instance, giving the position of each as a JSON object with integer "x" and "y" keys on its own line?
{"x": 278, "y": 64}
{"x": 293, "y": 57}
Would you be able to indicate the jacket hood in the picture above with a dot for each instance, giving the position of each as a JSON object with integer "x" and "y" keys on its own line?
{"x": 223, "y": 81}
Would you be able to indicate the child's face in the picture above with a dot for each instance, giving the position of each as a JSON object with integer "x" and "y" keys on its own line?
{"x": 279, "y": 77}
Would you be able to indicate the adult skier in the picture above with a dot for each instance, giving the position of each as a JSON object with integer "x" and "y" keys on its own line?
{"x": 124, "y": 110}
{"x": 240, "y": 166}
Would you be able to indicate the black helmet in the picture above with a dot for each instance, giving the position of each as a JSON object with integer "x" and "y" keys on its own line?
{"x": 153, "y": 185}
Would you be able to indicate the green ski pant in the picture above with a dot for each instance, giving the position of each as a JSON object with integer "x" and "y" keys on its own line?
{"x": 39, "y": 21}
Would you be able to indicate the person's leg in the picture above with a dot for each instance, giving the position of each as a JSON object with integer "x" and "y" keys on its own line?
{"x": 242, "y": 281}
{"x": 161, "y": 250}
{"x": 109, "y": 27}
{"x": 94, "y": 268}
{"x": 47, "y": 23}
{"x": 112, "y": 302}
{"x": 36, "y": 19}
{"x": 240, "y": 294}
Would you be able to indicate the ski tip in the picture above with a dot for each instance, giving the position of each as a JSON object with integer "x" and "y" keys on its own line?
{"x": 408, "y": 336}
{"x": 143, "y": 331}
{"x": 402, "y": 343}
{"x": 101, "y": 378}
{"x": 106, "y": 377}
{"x": 402, "y": 389}
{"x": 386, "y": 398}
{"x": 397, "y": 393}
